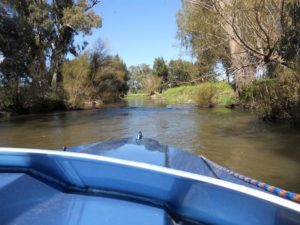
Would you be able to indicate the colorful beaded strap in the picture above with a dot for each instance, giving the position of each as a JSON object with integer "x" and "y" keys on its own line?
{"x": 275, "y": 190}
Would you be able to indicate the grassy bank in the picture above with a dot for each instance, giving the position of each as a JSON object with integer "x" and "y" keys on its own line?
{"x": 132, "y": 96}
{"x": 205, "y": 94}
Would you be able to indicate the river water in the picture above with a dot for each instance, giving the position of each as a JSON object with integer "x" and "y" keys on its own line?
{"x": 234, "y": 139}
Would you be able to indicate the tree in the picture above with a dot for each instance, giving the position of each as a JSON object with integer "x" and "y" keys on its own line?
{"x": 70, "y": 19}
{"x": 137, "y": 74}
{"x": 98, "y": 59}
{"x": 151, "y": 83}
{"x": 181, "y": 71}
{"x": 42, "y": 34}
{"x": 290, "y": 43}
{"x": 94, "y": 76}
{"x": 112, "y": 79}
{"x": 199, "y": 32}
{"x": 76, "y": 80}
{"x": 160, "y": 68}
{"x": 250, "y": 33}
{"x": 16, "y": 41}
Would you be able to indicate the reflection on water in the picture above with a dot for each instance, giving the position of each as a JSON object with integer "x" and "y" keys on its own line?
{"x": 234, "y": 139}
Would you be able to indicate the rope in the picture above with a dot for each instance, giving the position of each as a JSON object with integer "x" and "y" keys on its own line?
{"x": 269, "y": 188}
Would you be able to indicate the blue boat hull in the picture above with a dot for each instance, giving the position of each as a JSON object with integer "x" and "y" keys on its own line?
{"x": 125, "y": 182}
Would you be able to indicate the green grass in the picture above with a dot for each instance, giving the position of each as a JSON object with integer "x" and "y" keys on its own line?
{"x": 224, "y": 94}
{"x": 216, "y": 93}
{"x": 182, "y": 94}
{"x": 137, "y": 95}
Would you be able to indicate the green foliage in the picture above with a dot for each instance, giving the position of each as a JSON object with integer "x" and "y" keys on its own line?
{"x": 175, "y": 73}
{"x": 275, "y": 99}
{"x": 247, "y": 36}
{"x": 112, "y": 80}
{"x": 205, "y": 94}
{"x": 137, "y": 74}
{"x": 76, "y": 83}
{"x": 160, "y": 68}
{"x": 199, "y": 32}
{"x": 35, "y": 37}
{"x": 215, "y": 93}
{"x": 290, "y": 43}
{"x": 151, "y": 83}
{"x": 27, "y": 101}
{"x": 94, "y": 77}
{"x": 181, "y": 71}
{"x": 134, "y": 96}
{"x": 242, "y": 34}
{"x": 79, "y": 19}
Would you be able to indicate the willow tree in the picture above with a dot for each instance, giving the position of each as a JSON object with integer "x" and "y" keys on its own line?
{"x": 200, "y": 32}
{"x": 250, "y": 32}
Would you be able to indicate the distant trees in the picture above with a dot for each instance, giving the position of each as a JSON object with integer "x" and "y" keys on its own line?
{"x": 163, "y": 75}
{"x": 137, "y": 75}
{"x": 182, "y": 72}
{"x": 94, "y": 76}
{"x": 160, "y": 68}
{"x": 113, "y": 77}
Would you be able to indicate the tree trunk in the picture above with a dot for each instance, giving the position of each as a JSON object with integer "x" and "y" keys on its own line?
{"x": 243, "y": 70}
{"x": 241, "y": 65}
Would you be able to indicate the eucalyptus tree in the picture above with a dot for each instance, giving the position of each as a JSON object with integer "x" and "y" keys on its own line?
{"x": 44, "y": 31}
{"x": 17, "y": 53}
{"x": 69, "y": 19}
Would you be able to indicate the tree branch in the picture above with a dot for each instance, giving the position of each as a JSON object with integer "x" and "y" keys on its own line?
{"x": 91, "y": 5}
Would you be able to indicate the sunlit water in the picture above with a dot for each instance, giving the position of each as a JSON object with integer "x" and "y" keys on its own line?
{"x": 233, "y": 139}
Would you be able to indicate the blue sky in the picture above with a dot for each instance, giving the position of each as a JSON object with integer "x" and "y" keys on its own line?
{"x": 139, "y": 30}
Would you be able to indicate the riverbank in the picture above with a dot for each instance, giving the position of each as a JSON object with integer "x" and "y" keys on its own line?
{"x": 209, "y": 94}
{"x": 51, "y": 106}
{"x": 5, "y": 114}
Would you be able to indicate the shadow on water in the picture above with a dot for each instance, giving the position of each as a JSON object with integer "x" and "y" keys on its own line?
{"x": 234, "y": 139}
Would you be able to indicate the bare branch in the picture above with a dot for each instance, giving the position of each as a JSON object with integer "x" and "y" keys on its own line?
{"x": 282, "y": 15}
{"x": 260, "y": 7}
{"x": 92, "y": 4}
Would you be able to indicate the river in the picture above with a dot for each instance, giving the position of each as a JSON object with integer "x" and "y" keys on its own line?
{"x": 234, "y": 139}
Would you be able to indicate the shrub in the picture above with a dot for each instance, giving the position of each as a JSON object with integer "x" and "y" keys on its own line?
{"x": 205, "y": 94}
{"x": 275, "y": 99}
{"x": 151, "y": 83}
{"x": 215, "y": 93}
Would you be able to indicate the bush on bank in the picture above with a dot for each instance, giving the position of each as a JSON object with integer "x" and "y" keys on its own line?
{"x": 275, "y": 99}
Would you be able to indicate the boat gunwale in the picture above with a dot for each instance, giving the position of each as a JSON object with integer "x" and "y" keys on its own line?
{"x": 155, "y": 168}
